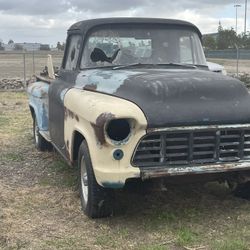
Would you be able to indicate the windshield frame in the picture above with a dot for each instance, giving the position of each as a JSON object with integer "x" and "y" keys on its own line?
{"x": 136, "y": 25}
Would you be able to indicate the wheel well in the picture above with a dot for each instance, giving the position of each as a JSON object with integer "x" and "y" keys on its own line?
{"x": 78, "y": 138}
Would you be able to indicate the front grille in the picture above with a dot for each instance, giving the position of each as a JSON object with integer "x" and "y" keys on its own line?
{"x": 197, "y": 146}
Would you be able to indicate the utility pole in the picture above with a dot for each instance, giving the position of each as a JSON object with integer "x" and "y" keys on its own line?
{"x": 236, "y": 8}
{"x": 245, "y": 25}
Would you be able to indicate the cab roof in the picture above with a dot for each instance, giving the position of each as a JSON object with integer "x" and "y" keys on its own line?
{"x": 86, "y": 25}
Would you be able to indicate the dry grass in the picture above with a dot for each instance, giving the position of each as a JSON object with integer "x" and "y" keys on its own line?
{"x": 230, "y": 65}
{"x": 40, "y": 209}
{"x": 11, "y": 65}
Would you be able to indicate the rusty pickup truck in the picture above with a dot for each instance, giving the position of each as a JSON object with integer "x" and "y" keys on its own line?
{"x": 134, "y": 99}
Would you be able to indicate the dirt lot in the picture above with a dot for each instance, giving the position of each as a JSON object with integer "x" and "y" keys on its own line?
{"x": 40, "y": 209}
{"x": 230, "y": 65}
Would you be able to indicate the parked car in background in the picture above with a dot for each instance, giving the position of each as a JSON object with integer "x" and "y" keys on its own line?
{"x": 214, "y": 67}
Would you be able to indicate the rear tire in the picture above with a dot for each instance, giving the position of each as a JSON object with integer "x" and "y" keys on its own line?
{"x": 96, "y": 201}
{"x": 40, "y": 143}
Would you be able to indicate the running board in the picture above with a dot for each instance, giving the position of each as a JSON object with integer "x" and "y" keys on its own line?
{"x": 45, "y": 135}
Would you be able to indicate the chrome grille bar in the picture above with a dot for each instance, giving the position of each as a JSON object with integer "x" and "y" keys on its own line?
{"x": 193, "y": 146}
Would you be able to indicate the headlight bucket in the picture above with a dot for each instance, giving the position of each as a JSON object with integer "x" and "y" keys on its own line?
{"x": 118, "y": 130}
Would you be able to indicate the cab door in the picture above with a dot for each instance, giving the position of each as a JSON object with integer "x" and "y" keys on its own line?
{"x": 57, "y": 90}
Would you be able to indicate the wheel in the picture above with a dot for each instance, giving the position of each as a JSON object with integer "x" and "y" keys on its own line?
{"x": 40, "y": 143}
{"x": 96, "y": 201}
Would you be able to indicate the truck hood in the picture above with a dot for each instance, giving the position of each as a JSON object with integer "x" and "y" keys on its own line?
{"x": 174, "y": 97}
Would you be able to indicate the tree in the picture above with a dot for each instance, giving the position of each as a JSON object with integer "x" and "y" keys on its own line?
{"x": 1, "y": 46}
{"x": 209, "y": 42}
{"x": 244, "y": 40}
{"x": 10, "y": 41}
{"x": 227, "y": 38}
{"x": 59, "y": 46}
{"x": 220, "y": 28}
{"x": 63, "y": 46}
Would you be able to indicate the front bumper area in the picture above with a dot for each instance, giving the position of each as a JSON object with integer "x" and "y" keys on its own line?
{"x": 156, "y": 172}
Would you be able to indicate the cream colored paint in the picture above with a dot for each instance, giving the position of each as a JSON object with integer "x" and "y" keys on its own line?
{"x": 88, "y": 106}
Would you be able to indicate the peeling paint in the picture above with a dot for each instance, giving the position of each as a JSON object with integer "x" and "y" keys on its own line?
{"x": 199, "y": 128}
{"x": 92, "y": 87}
{"x": 172, "y": 97}
{"x": 98, "y": 127}
{"x": 69, "y": 114}
{"x": 38, "y": 100}
{"x": 155, "y": 172}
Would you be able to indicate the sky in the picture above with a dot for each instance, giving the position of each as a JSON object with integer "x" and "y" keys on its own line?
{"x": 47, "y": 21}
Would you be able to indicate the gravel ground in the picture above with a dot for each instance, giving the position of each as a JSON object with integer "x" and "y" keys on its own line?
{"x": 12, "y": 84}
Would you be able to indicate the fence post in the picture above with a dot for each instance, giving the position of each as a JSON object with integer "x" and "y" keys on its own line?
{"x": 24, "y": 68}
{"x": 237, "y": 60}
{"x": 33, "y": 60}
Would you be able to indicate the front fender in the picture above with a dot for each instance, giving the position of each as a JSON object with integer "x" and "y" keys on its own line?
{"x": 87, "y": 111}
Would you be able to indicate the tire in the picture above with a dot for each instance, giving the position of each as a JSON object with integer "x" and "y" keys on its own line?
{"x": 40, "y": 143}
{"x": 96, "y": 201}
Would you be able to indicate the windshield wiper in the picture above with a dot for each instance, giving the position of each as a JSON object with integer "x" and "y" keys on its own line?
{"x": 155, "y": 65}
{"x": 192, "y": 66}
{"x": 130, "y": 65}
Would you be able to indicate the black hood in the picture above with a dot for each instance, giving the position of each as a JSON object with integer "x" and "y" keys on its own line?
{"x": 174, "y": 97}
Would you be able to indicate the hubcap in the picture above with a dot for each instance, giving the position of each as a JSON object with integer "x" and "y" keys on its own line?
{"x": 84, "y": 180}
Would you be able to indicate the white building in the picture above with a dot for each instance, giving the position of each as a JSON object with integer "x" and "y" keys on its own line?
{"x": 24, "y": 46}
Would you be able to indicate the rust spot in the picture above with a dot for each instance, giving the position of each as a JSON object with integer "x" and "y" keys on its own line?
{"x": 69, "y": 114}
{"x": 43, "y": 94}
{"x": 65, "y": 113}
{"x": 99, "y": 126}
{"x": 92, "y": 87}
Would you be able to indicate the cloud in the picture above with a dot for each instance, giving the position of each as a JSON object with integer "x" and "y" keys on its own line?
{"x": 37, "y": 7}
{"x": 34, "y": 20}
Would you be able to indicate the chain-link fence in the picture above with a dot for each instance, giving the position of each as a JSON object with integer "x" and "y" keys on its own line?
{"x": 23, "y": 65}
{"x": 243, "y": 54}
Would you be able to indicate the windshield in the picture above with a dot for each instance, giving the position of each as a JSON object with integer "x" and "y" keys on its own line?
{"x": 142, "y": 44}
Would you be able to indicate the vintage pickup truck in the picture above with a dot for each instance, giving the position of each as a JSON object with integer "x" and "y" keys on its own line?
{"x": 134, "y": 99}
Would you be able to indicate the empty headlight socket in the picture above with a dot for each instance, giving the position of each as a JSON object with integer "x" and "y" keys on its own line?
{"x": 118, "y": 130}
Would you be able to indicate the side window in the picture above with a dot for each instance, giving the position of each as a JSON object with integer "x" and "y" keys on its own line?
{"x": 186, "y": 55}
{"x": 73, "y": 51}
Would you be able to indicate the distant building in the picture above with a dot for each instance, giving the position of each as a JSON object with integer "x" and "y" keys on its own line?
{"x": 8, "y": 47}
{"x": 26, "y": 46}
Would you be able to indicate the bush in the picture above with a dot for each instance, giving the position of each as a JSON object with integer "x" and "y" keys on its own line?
{"x": 245, "y": 78}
